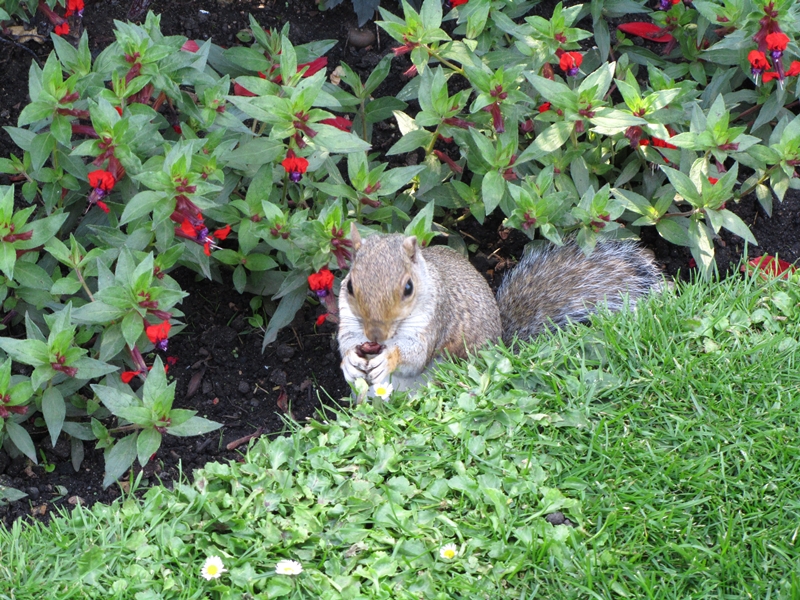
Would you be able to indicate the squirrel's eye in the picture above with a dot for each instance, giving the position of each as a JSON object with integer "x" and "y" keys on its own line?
{"x": 409, "y": 289}
{"x": 350, "y": 287}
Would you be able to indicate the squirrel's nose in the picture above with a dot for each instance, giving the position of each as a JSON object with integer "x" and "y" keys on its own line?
{"x": 377, "y": 332}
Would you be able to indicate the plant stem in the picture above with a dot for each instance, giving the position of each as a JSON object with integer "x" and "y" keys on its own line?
{"x": 432, "y": 143}
{"x": 444, "y": 61}
{"x": 83, "y": 283}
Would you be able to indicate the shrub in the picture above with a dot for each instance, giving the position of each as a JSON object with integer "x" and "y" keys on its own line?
{"x": 164, "y": 152}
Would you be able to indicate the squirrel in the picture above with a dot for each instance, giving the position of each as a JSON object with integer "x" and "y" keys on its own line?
{"x": 402, "y": 306}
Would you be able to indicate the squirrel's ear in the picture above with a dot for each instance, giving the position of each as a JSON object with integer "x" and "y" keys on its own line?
{"x": 410, "y": 246}
{"x": 355, "y": 237}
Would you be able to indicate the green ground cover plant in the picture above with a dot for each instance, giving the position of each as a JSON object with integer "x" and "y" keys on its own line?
{"x": 239, "y": 162}
{"x": 667, "y": 437}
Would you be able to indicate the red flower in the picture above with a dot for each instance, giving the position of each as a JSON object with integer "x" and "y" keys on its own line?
{"x": 321, "y": 319}
{"x": 776, "y": 42}
{"x": 118, "y": 109}
{"x": 188, "y": 229}
{"x": 102, "y": 206}
{"x": 177, "y": 129}
{"x": 570, "y": 63}
{"x": 339, "y": 123}
{"x": 794, "y": 69}
{"x": 294, "y": 165}
{"x": 758, "y": 61}
{"x": 102, "y": 180}
{"x": 315, "y": 65}
{"x": 454, "y": 3}
{"x": 190, "y": 46}
{"x": 659, "y": 143}
{"x": 62, "y": 29}
{"x": 769, "y": 76}
{"x": 74, "y": 6}
{"x": 544, "y": 107}
{"x": 158, "y": 334}
{"x": 712, "y": 180}
{"x": 221, "y": 234}
{"x": 239, "y": 90}
{"x": 648, "y": 31}
{"x": 321, "y": 283}
{"x": 127, "y": 376}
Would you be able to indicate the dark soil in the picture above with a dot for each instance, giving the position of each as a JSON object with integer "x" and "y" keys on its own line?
{"x": 221, "y": 371}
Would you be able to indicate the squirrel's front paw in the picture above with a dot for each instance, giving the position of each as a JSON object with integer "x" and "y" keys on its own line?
{"x": 354, "y": 367}
{"x": 382, "y": 365}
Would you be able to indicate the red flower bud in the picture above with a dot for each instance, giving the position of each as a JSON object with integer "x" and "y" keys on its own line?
{"x": 648, "y": 31}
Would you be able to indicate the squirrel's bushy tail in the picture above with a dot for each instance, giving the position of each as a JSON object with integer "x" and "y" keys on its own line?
{"x": 553, "y": 285}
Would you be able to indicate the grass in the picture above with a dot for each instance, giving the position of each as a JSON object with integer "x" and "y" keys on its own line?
{"x": 669, "y": 436}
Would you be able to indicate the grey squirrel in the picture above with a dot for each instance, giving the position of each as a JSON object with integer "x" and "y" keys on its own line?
{"x": 402, "y": 306}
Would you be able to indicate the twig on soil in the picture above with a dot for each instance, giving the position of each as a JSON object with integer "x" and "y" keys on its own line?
{"x": 18, "y": 45}
{"x": 243, "y": 440}
{"x": 299, "y": 343}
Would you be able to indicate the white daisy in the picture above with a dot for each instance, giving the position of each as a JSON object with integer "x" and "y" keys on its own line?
{"x": 213, "y": 568}
{"x": 288, "y": 567}
{"x": 383, "y": 390}
{"x": 448, "y": 551}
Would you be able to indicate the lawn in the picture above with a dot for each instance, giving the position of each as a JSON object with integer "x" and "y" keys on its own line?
{"x": 667, "y": 437}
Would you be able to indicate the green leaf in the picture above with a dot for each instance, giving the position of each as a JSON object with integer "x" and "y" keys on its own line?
{"x": 702, "y": 247}
{"x": 119, "y": 459}
{"x": 493, "y": 188}
{"x": 193, "y": 426}
{"x": 29, "y": 352}
{"x": 43, "y": 230}
{"x": 157, "y": 394}
{"x": 550, "y": 140}
{"x": 54, "y": 410}
{"x": 287, "y": 308}
{"x": 337, "y": 141}
{"x": 132, "y": 328}
{"x": 260, "y": 262}
{"x": 90, "y": 368}
{"x": 96, "y": 313}
{"x": 148, "y": 444}
{"x": 22, "y": 440}
{"x": 732, "y": 223}
{"x": 418, "y": 138}
{"x": 239, "y": 278}
{"x": 81, "y": 431}
{"x": 8, "y": 257}
{"x": 260, "y": 151}
{"x": 140, "y": 205}
{"x": 114, "y": 399}
{"x": 683, "y": 185}
{"x": 278, "y": 587}
{"x": 672, "y": 230}
{"x": 553, "y": 91}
